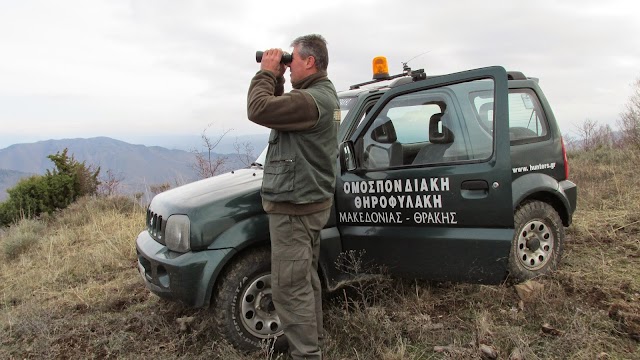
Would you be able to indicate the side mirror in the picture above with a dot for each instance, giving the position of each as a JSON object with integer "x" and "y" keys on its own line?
{"x": 347, "y": 158}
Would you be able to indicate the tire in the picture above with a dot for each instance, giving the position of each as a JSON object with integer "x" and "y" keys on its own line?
{"x": 242, "y": 303}
{"x": 537, "y": 244}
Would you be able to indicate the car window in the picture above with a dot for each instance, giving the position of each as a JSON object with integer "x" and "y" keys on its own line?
{"x": 526, "y": 118}
{"x": 425, "y": 128}
{"x": 412, "y": 120}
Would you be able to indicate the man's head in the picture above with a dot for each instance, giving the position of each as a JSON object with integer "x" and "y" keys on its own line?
{"x": 310, "y": 55}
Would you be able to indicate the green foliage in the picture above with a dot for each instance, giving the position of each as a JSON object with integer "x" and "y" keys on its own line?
{"x": 57, "y": 189}
{"x": 85, "y": 178}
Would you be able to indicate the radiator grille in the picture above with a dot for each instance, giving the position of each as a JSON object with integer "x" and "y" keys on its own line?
{"x": 156, "y": 226}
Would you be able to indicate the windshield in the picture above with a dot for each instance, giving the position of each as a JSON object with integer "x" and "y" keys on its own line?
{"x": 346, "y": 103}
{"x": 262, "y": 157}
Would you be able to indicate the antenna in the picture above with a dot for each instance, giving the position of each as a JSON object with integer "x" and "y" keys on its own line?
{"x": 405, "y": 67}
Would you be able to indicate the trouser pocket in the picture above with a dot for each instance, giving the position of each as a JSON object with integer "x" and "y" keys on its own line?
{"x": 292, "y": 272}
{"x": 291, "y": 260}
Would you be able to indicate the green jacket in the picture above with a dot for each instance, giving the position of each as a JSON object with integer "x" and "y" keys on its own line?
{"x": 300, "y": 170}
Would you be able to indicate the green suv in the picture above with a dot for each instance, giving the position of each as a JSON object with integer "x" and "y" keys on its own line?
{"x": 460, "y": 177}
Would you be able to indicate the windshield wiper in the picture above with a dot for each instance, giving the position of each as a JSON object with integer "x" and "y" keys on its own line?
{"x": 256, "y": 164}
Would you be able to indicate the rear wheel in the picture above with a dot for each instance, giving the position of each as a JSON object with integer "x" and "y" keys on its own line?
{"x": 537, "y": 244}
{"x": 243, "y": 305}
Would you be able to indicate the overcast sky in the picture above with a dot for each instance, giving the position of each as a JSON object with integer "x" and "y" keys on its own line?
{"x": 129, "y": 68}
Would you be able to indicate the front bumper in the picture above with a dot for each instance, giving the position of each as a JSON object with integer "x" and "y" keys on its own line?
{"x": 187, "y": 277}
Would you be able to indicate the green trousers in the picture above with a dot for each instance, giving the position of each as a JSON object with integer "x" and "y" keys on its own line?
{"x": 295, "y": 248}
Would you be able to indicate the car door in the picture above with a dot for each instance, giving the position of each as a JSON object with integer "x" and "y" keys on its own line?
{"x": 428, "y": 191}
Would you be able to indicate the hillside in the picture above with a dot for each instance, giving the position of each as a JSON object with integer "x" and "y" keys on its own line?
{"x": 69, "y": 288}
{"x": 138, "y": 166}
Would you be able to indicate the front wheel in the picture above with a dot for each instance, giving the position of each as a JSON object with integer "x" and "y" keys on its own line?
{"x": 537, "y": 244}
{"x": 243, "y": 306}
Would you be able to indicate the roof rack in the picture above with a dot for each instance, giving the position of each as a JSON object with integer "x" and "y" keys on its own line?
{"x": 415, "y": 75}
{"x": 380, "y": 73}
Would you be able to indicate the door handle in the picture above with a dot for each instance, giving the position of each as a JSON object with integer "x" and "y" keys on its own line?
{"x": 475, "y": 185}
{"x": 474, "y": 189}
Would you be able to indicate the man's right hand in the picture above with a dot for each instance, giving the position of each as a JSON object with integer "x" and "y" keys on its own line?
{"x": 271, "y": 62}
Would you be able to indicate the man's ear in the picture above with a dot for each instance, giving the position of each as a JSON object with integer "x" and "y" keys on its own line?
{"x": 310, "y": 62}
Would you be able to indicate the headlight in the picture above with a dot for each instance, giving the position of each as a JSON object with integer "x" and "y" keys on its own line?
{"x": 177, "y": 233}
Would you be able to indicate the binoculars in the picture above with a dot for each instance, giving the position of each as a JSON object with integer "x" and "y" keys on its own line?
{"x": 286, "y": 57}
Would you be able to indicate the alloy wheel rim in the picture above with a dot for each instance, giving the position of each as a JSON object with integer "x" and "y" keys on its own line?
{"x": 258, "y": 313}
{"x": 535, "y": 245}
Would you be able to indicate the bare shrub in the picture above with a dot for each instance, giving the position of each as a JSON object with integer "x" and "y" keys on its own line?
{"x": 206, "y": 163}
{"x": 244, "y": 152}
{"x": 158, "y": 188}
{"x": 571, "y": 142}
{"x": 592, "y": 135}
{"x": 629, "y": 122}
{"x": 368, "y": 283}
{"x": 110, "y": 183}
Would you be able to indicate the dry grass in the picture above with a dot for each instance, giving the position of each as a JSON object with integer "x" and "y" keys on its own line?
{"x": 69, "y": 288}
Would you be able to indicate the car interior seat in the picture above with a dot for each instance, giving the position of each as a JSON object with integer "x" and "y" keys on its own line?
{"x": 385, "y": 150}
{"x": 440, "y": 139}
{"x": 486, "y": 116}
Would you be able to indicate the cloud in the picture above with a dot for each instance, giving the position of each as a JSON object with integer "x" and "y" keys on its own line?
{"x": 101, "y": 67}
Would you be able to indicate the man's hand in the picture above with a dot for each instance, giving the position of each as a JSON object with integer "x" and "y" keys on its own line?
{"x": 271, "y": 62}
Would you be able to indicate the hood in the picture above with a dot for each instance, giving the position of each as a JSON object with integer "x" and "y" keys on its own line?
{"x": 213, "y": 189}
{"x": 214, "y": 204}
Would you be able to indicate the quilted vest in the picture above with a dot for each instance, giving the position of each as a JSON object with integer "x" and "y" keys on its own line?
{"x": 301, "y": 165}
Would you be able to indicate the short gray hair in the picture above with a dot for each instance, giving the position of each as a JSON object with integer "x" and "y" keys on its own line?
{"x": 313, "y": 45}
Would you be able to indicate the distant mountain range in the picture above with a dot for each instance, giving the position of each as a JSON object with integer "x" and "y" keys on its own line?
{"x": 138, "y": 166}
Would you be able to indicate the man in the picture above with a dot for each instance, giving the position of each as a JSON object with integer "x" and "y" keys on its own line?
{"x": 299, "y": 181}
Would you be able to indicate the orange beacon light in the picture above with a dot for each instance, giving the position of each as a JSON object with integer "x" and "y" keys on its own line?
{"x": 380, "y": 68}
